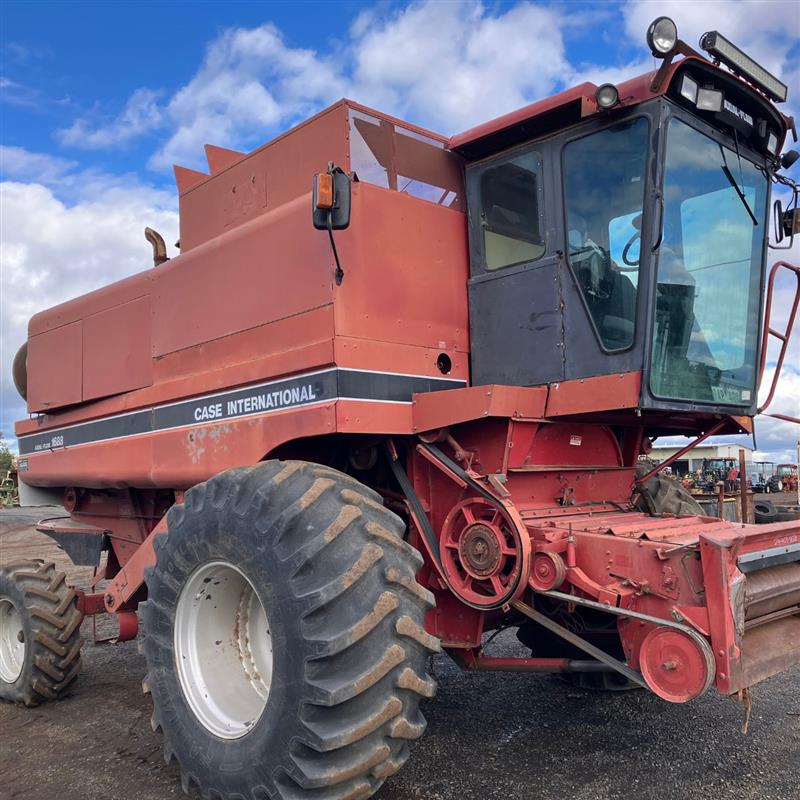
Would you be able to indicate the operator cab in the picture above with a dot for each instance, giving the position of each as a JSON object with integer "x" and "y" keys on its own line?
{"x": 624, "y": 230}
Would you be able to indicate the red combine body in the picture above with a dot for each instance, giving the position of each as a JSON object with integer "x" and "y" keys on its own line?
{"x": 312, "y": 458}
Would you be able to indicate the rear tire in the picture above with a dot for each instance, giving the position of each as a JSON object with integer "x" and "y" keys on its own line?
{"x": 345, "y": 646}
{"x": 664, "y": 495}
{"x": 765, "y": 512}
{"x": 40, "y": 642}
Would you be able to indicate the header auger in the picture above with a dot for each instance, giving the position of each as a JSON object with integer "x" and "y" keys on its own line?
{"x": 348, "y": 428}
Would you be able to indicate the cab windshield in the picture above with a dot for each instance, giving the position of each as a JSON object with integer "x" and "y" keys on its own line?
{"x": 708, "y": 280}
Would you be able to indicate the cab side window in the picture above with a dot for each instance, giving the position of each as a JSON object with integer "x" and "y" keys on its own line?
{"x": 511, "y": 227}
{"x": 604, "y": 180}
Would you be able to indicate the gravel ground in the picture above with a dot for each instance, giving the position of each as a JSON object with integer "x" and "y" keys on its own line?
{"x": 489, "y": 735}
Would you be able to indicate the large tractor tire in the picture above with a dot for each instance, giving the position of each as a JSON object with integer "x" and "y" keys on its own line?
{"x": 664, "y": 495}
{"x": 40, "y": 641}
{"x": 283, "y": 632}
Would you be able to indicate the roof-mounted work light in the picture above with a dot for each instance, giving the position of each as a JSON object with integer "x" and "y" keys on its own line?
{"x": 606, "y": 96}
{"x": 719, "y": 48}
{"x": 662, "y": 36}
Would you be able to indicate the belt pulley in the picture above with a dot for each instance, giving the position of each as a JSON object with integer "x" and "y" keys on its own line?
{"x": 483, "y": 552}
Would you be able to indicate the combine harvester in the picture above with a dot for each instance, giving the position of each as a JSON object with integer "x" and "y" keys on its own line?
{"x": 307, "y": 459}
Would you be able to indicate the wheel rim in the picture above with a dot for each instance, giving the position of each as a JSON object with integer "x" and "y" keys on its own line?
{"x": 12, "y": 641}
{"x": 223, "y": 649}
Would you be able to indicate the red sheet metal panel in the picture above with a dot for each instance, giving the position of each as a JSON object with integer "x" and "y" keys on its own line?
{"x": 116, "y": 350}
{"x": 271, "y": 268}
{"x": 582, "y": 93}
{"x": 288, "y": 345}
{"x": 397, "y": 357}
{"x": 406, "y": 270}
{"x": 274, "y": 174}
{"x": 177, "y": 459}
{"x": 114, "y": 294}
{"x": 438, "y": 409}
{"x": 55, "y": 361}
{"x": 601, "y": 393}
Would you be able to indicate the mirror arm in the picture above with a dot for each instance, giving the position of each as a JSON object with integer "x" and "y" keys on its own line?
{"x": 339, "y": 270}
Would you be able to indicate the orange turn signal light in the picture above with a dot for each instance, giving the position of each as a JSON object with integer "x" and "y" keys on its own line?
{"x": 324, "y": 190}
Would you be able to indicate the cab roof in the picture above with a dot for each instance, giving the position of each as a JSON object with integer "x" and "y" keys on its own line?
{"x": 571, "y": 106}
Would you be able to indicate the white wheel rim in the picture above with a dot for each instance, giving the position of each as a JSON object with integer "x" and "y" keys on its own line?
{"x": 12, "y": 641}
{"x": 223, "y": 649}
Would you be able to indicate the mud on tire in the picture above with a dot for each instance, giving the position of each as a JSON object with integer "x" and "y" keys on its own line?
{"x": 345, "y": 615}
{"x": 41, "y": 622}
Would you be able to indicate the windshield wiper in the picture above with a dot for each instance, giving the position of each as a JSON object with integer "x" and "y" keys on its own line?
{"x": 735, "y": 185}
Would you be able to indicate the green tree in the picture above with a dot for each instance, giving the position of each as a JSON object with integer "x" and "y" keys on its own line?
{"x": 6, "y": 457}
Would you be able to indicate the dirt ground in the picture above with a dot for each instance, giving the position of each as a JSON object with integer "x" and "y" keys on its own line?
{"x": 490, "y": 736}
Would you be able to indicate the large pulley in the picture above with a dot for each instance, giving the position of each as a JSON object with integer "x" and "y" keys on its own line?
{"x": 483, "y": 555}
{"x": 677, "y": 665}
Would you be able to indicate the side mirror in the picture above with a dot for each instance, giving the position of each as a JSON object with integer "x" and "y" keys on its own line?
{"x": 787, "y": 223}
{"x": 791, "y": 222}
{"x": 777, "y": 209}
{"x": 331, "y": 200}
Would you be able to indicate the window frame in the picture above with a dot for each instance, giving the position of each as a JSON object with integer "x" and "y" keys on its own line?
{"x": 647, "y": 189}
{"x": 474, "y": 177}
{"x": 673, "y": 110}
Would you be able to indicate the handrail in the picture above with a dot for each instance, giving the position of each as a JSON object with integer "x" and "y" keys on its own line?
{"x": 769, "y": 331}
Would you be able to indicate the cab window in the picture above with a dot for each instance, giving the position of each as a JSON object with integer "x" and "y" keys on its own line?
{"x": 509, "y": 207}
{"x": 604, "y": 176}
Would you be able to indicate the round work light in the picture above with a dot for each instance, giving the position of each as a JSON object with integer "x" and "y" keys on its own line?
{"x": 606, "y": 95}
{"x": 662, "y": 36}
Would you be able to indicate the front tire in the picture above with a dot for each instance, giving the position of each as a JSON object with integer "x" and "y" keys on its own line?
{"x": 324, "y": 636}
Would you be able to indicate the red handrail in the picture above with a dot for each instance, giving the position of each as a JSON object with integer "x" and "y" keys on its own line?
{"x": 769, "y": 331}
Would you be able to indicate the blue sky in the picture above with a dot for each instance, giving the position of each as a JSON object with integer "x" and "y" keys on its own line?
{"x": 98, "y": 99}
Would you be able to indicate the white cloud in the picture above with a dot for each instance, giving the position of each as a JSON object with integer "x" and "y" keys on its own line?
{"x": 448, "y": 65}
{"x": 53, "y": 250}
{"x": 455, "y": 64}
{"x": 21, "y": 164}
{"x": 775, "y": 436}
{"x": 249, "y": 82}
{"x": 141, "y": 114}
{"x": 762, "y": 28}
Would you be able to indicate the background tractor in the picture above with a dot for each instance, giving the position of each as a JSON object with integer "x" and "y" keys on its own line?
{"x": 351, "y": 427}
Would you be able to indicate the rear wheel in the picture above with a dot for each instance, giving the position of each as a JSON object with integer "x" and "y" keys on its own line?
{"x": 40, "y": 642}
{"x": 284, "y": 636}
{"x": 662, "y": 494}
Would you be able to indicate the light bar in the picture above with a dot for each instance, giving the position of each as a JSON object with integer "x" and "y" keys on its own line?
{"x": 729, "y": 54}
